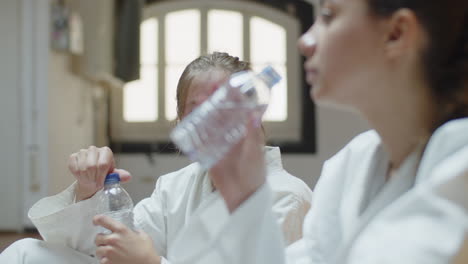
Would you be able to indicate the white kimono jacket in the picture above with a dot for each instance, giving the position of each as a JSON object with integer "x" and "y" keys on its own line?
{"x": 176, "y": 196}
{"x": 419, "y": 216}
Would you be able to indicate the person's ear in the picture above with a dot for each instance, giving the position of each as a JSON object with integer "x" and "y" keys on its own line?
{"x": 403, "y": 34}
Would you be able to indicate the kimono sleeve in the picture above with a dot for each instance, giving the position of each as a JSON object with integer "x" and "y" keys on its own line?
{"x": 150, "y": 215}
{"x": 61, "y": 221}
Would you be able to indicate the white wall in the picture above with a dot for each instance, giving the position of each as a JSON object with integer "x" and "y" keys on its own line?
{"x": 145, "y": 173}
{"x": 70, "y": 118}
{"x": 10, "y": 116}
{"x": 36, "y": 86}
{"x": 334, "y": 129}
{"x": 71, "y": 112}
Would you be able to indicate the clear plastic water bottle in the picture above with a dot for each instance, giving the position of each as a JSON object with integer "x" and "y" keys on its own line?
{"x": 215, "y": 126}
{"x": 115, "y": 202}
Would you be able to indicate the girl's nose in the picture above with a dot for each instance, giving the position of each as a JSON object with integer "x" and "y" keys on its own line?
{"x": 307, "y": 43}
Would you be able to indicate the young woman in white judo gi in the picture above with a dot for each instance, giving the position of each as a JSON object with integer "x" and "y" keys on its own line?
{"x": 395, "y": 194}
{"x": 68, "y": 228}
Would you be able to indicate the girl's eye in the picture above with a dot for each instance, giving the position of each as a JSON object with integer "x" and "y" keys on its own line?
{"x": 326, "y": 14}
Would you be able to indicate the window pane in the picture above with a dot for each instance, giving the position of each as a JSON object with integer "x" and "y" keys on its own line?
{"x": 173, "y": 73}
{"x": 225, "y": 32}
{"x": 268, "y": 47}
{"x": 182, "y": 46}
{"x": 267, "y": 42}
{"x": 277, "y": 110}
{"x": 140, "y": 97}
{"x": 182, "y": 36}
{"x": 148, "y": 41}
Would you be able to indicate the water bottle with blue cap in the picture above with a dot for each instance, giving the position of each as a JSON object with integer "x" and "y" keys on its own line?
{"x": 115, "y": 202}
{"x": 216, "y": 125}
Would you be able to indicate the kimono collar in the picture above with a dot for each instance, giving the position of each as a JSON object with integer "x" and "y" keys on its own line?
{"x": 273, "y": 158}
{"x": 272, "y": 161}
{"x": 446, "y": 140}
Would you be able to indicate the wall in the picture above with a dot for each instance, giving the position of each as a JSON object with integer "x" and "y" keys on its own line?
{"x": 334, "y": 129}
{"x": 70, "y": 118}
{"x": 39, "y": 96}
{"x": 71, "y": 110}
{"x": 10, "y": 116}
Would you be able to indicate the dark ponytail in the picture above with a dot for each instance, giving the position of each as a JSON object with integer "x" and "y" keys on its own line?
{"x": 445, "y": 59}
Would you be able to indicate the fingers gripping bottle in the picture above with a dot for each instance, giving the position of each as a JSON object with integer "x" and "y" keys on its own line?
{"x": 115, "y": 202}
{"x": 215, "y": 126}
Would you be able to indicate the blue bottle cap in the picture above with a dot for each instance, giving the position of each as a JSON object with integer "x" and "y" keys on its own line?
{"x": 271, "y": 76}
{"x": 112, "y": 178}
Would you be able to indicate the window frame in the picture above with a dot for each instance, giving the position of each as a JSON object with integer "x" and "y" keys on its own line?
{"x": 289, "y": 134}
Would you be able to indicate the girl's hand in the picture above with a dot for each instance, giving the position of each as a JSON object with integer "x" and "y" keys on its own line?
{"x": 123, "y": 245}
{"x": 90, "y": 167}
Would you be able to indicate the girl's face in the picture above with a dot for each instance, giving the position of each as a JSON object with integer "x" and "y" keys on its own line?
{"x": 343, "y": 52}
{"x": 201, "y": 87}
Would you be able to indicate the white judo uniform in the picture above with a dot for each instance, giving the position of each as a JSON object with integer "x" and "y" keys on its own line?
{"x": 419, "y": 216}
{"x": 70, "y": 234}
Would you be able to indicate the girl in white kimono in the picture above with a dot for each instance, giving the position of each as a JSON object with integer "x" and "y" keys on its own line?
{"x": 65, "y": 221}
{"x": 395, "y": 194}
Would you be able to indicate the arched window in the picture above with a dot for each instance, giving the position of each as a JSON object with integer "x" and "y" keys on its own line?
{"x": 173, "y": 33}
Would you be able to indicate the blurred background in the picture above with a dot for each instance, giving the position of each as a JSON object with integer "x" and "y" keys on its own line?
{"x": 83, "y": 72}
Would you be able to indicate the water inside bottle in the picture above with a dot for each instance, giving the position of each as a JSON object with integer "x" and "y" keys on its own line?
{"x": 123, "y": 216}
{"x": 208, "y": 145}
